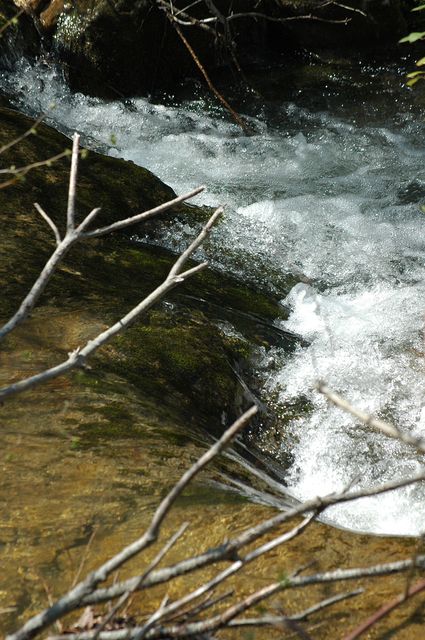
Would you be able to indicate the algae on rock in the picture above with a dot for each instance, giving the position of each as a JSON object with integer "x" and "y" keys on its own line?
{"x": 177, "y": 353}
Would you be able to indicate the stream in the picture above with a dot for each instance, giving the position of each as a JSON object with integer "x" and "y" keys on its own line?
{"x": 329, "y": 189}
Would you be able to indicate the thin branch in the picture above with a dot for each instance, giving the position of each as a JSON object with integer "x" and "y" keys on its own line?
{"x": 225, "y": 618}
{"x": 78, "y": 357}
{"x": 141, "y": 217}
{"x": 84, "y": 558}
{"x": 72, "y": 190}
{"x": 386, "y": 428}
{"x": 211, "y": 86}
{"x": 195, "y": 610}
{"x": 11, "y": 21}
{"x": 72, "y": 237}
{"x": 264, "y": 16}
{"x": 155, "y": 562}
{"x": 175, "y": 270}
{"x": 29, "y": 132}
{"x": 342, "y": 6}
{"x": 326, "y": 603}
{"x": 50, "y": 222}
{"x": 385, "y": 610}
{"x": 235, "y": 567}
{"x": 39, "y": 286}
{"x": 20, "y": 172}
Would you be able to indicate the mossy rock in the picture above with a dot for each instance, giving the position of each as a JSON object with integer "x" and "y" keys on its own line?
{"x": 178, "y": 354}
{"x": 178, "y": 357}
{"x": 119, "y": 187}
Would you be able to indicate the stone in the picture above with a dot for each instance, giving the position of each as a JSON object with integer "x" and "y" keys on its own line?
{"x": 177, "y": 353}
{"x": 49, "y": 17}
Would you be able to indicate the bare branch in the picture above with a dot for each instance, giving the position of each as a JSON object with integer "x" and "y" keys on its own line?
{"x": 50, "y": 222}
{"x": 199, "y": 608}
{"x": 386, "y": 428}
{"x": 326, "y": 603}
{"x": 155, "y": 562}
{"x": 141, "y": 217}
{"x": 175, "y": 270}
{"x": 226, "y": 573}
{"x": 385, "y": 610}
{"x": 11, "y": 21}
{"x": 78, "y": 357}
{"x": 73, "y": 236}
{"x": 30, "y": 300}
{"x": 29, "y": 132}
{"x": 225, "y": 618}
{"x": 343, "y": 6}
{"x": 72, "y": 190}
{"x": 309, "y": 17}
{"x": 21, "y": 172}
{"x": 228, "y": 549}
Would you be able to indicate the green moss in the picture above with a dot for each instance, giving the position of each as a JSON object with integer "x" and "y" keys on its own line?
{"x": 177, "y": 357}
{"x": 181, "y": 359}
{"x": 121, "y": 188}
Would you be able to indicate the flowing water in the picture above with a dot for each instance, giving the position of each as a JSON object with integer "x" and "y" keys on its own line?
{"x": 328, "y": 188}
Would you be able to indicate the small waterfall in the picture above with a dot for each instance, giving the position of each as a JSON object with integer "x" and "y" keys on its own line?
{"x": 330, "y": 194}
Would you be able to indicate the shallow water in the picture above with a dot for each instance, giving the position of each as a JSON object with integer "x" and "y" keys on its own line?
{"x": 329, "y": 190}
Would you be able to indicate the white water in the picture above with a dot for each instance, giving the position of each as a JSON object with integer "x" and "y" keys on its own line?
{"x": 322, "y": 195}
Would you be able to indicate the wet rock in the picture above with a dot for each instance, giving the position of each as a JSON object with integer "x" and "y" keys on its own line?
{"x": 119, "y": 187}
{"x": 20, "y": 36}
{"x": 179, "y": 353}
{"x": 411, "y": 193}
{"x": 121, "y": 47}
{"x": 50, "y": 16}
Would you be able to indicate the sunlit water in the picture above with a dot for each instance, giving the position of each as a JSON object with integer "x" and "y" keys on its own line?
{"x": 333, "y": 195}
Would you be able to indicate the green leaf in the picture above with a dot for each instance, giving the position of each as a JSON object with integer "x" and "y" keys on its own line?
{"x": 414, "y": 74}
{"x": 412, "y": 81}
{"x": 413, "y": 37}
{"x": 420, "y": 8}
